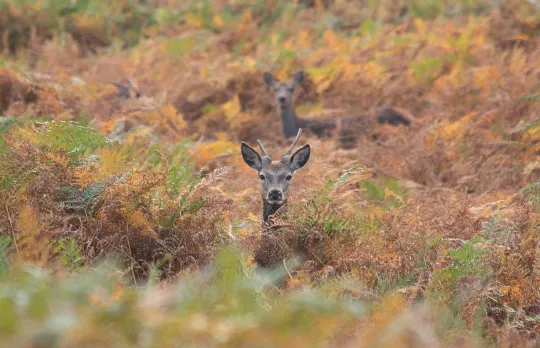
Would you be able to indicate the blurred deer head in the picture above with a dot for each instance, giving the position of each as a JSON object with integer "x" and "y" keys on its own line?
{"x": 283, "y": 96}
{"x": 275, "y": 176}
{"x": 127, "y": 89}
{"x": 283, "y": 91}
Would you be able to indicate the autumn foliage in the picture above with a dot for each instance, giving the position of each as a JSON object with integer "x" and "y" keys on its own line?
{"x": 121, "y": 126}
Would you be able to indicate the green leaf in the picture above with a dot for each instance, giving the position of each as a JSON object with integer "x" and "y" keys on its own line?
{"x": 427, "y": 70}
{"x": 69, "y": 138}
{"x": 176, "y": 49}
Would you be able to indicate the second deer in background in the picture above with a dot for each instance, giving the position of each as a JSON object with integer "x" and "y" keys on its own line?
{"x": 348, "y": 128}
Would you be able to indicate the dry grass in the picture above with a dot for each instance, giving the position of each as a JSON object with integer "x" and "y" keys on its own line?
{"x": 433, "y": 212}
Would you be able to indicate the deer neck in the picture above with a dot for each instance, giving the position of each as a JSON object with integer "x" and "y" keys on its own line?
{"x": 289, "y": 122}
{"x": 270, "y": 209}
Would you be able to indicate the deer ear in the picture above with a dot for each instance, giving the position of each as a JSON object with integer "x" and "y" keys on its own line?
{"x": 251, "y": 157}
{"x": 298, "y": 78}
{"x": 300, "y": 158}
{"x": 269, "y": 79}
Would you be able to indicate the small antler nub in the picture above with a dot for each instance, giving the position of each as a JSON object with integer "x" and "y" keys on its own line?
{"x": 266, "y": 158}
{"x": 263, "y": 151}
{"x": 294, "y": 142}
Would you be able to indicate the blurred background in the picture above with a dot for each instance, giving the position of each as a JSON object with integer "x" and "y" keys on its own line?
{"x": 130, "y": 219}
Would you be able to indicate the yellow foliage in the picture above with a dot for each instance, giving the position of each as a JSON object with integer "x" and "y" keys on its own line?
{"x": 218, "y": 21}
{"x": 59, "y": 158}
{"x": 303, "y": 40}
{"x": 518, "y": 61}
{"x": 138, "y": 220}
{"x": 386, "y": 313}
{"x": 454, "y": 78}
{"x": 175, "y": 118}
{"x": 194, "y": 20}
{"x": 85, "y": 175}
{"x": 454, "y": 132}
{"x": 89, "y": 22}
{"x": 111, "y": 160}
{"x": 330, "y": 38}
{"x": 203, "y": 74}
{"x": 372, "y": 71}
{"x": 118, "y": 292}
{"x": 108, "y": 126}
{"x": 336, "y": 43}
{"x": 349, "y": 70}
{"x": 233, "y": 112}
{"x": 250, "y": 63}
{"x": 513, "y": 293}
{"x": 209, "y": 151}
{"x": 487, "y": 76}
{"x": 28, "y": 221}
{"x": 389, "y": 193}
{"x": 232, "y": 108}
{"x": 312, "y": 110}
{"x": 137, "y": 184}
{"x": 376, "y": 212}
{"x": 324, "y": 77}
{"x": 137, "y": 134}
{"x": 421, "y": 26}
{"x": 100, "y": 299}
{"x": 29, "y": 243}
{"x": 247, "y": 17}
{"x": 166, "y": 119}
{"x": 532, "y": 134}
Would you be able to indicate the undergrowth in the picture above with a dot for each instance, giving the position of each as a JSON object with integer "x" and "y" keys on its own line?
{"x": 425, "y": 235}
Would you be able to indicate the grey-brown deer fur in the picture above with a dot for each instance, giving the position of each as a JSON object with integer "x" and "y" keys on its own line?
{"x": 275, "y": 176}
{"x": 348, "y": 128}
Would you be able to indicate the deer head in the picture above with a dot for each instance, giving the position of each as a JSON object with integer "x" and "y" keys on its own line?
{"x": 275, "y": 176}
{"x": 283, "y": 91}
{"x": 127, "y": 89}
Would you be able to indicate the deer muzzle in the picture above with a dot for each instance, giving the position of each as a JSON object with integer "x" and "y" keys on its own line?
{"x": 275, "y": 196}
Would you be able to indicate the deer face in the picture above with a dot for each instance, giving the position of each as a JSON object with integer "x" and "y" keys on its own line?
{"x": 276, "y": 176}
{"x": 283, "y": 91}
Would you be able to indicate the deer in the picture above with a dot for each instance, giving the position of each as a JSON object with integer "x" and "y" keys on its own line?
{"x": 275, "y": 176}
{"x": 347, "y": 128}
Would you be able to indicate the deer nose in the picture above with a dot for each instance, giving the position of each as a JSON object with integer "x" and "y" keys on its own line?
{"x": 275, "y": 195}
{"x": 282, "y": 99}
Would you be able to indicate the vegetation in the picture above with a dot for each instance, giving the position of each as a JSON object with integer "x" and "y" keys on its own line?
{"x": 129, "y": 219}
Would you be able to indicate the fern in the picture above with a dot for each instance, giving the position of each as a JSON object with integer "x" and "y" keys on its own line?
{"x": 79, "y": 200}
{"x": 329, "y": 221}
{"x": 70, "y": 253}
{"x": 333, "y": 184}
{"x": 533, "y": 193}
{"x": 427, "y": 70}
{"x": 374, "y": 192}
{"x": 388, "y": 192}
{"x": 69, "y": 138}
{"x": 5, "y": 243}
{"x": 154, "y": 270}
{"x": 185, "y": 204}
{"x": 465, "y": 261}
{"x": 5, "y": 123}
{"x": 181, "y": 175}
{"x": 495, "y": 231}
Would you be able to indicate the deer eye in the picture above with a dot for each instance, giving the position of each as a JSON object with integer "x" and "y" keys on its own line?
{"x": 289, "y": 177}
{"x": 262, "y": 177}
